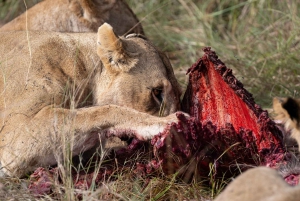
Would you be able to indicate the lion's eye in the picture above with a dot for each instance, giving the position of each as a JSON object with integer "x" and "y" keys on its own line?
{"x": 158, "y": 94}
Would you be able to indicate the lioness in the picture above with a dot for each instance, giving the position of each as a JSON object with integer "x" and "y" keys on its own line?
{"x": 57, "y": 91}
{"x": 77, "y": 16}
{"x": 288, "y": 112}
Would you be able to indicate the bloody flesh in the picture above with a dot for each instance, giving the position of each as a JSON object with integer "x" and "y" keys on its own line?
{"x": 218, "y": 97}
{"x": 230, "y": 130}
{"x": 219, "y": 103}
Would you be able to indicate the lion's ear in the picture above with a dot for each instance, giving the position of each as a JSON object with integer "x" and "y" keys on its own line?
{"x": 111, "y": 51}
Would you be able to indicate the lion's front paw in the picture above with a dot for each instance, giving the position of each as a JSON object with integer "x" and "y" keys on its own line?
{"x": 177, "y": 116}
{"x": 156, "y": 125}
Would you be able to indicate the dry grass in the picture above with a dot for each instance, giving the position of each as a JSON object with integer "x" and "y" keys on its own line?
{"x": 258, "y": 39}
{"x": 9, "y": 9}
{"x": 14, "y": 189}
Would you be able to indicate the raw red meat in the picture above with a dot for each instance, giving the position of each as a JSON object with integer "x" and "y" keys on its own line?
{"x": 228, "y": 131}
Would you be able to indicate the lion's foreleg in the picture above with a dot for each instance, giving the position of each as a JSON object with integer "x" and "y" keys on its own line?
{"x": 53, "y": 132}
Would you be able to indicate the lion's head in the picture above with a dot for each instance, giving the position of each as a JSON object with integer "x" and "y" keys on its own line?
{"x": 136, "y": 74}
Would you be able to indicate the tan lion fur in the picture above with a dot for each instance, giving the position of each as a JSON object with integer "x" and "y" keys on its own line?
{"x": 57, "y": 92}
{"x": 287, "y": 111}
{"x": 259, "y": 184}
{"x": 77, "y": 16}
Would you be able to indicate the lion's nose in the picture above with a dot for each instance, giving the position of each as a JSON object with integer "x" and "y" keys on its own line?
{"x": 172, "y": 106}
